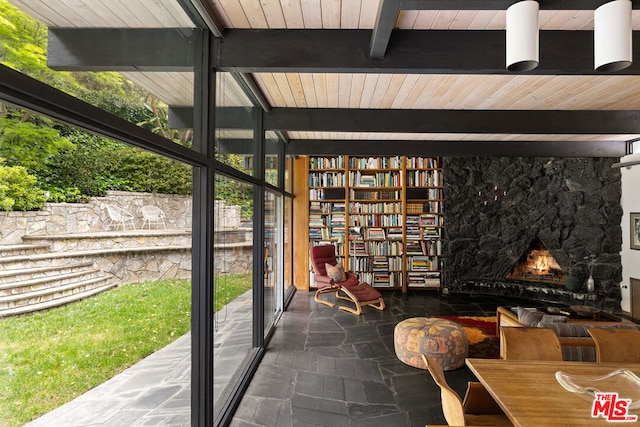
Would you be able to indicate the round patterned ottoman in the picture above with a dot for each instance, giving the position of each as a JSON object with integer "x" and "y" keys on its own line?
{"x": 443, "y": 340}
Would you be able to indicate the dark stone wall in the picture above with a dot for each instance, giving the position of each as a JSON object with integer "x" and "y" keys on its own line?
{"x": 571, "y": 204}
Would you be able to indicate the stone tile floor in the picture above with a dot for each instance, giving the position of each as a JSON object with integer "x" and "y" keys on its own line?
{"x": 323, "y": 367}
{"x": 327, "y": 367}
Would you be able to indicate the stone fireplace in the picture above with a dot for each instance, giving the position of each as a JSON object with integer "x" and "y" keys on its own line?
{"x": 570, "y": 205}
{"x": 537, "y": 265}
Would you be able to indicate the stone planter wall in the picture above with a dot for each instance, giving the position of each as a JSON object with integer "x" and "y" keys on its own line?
{"x": 69, "y": 218}
{"x": 571, "y": 204}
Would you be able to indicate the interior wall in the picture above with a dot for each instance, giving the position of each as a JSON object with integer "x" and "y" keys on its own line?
{"x": 495, "y": 207}
{"x": 630, "y": 177}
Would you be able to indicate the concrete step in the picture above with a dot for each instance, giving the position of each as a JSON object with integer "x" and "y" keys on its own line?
{"x": 67, "y": 258}
{"x": 111, "y": 239}
{"x": 10, "y": 276}
{"x": 55, "y": 300}
{"x": 34, "y": 286}
{"x": 24, "y": 249}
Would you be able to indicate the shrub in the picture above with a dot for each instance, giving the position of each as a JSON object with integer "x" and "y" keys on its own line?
{"x": 18, "y": 190}
{"x": 66, "y": 195}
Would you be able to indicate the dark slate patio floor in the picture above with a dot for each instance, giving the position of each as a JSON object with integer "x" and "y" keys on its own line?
{"x": 323, "y": 367}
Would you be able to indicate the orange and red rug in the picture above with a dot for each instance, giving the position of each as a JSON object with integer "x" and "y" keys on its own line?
{"x": 481, "y": 333}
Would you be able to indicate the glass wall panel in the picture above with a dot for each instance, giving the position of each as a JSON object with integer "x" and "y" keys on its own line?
{"x": 235, "y": 121}
{"x": 233, "y": 282}
{"x": 272, "y": 156}
{"x": 288, "y": 243}
{"x": 272, "y": 257}
{"x": 68, "y": 182}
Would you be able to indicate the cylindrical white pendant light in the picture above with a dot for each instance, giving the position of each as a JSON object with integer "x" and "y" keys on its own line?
{"x": 612, "y": 36}
{"x": 522, "y": 36}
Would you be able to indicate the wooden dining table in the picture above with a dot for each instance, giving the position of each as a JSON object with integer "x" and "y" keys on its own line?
{"x": 531, "y": 396}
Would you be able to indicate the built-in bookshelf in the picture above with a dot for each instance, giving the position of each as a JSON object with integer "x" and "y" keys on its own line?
{"x": 384, "y": 214}
{"x": 423, "y": 198}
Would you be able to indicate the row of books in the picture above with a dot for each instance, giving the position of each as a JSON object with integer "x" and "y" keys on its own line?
{"x": 379, "y": 179}
{"x": 417, "y": 208}
{"x": 386, "y": 264}
{"x": 390, "y": 279}
{"x": 326, "y": 162}
{"x": 367, "y": 248}
{"x": 394, "y": 162}
{"x": 374, "y": 195}
{"x": 423, "y": 280}
{"x": 421, "y": 178}
{"x": 423, "y": 263}
{"x": 326, "y": 179}
{"x": 422, "y": 233}
{"x": 430, "y": 247}
{"x": 375, "y": 220}
{"x": 422, "y": 162}
{"x": 326, "y": 233}
{"x": 326, "y": 207}
{"x": 376, "y": 207}
{"x": 336, "y": 193}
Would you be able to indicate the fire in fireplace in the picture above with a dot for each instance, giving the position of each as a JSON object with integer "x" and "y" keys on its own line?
{"x": 537, "y": 264}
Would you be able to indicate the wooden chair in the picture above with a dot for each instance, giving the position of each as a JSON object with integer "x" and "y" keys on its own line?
{"x": 616, "y": 345}
{"x": 522, "y": 343}
{"x": 478, "y": 407}
{"x": 351, "y": 289}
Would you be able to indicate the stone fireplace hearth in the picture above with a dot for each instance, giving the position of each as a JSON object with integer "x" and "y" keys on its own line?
{"x": 571, "y": 205}
{"x": 537, "y": 265}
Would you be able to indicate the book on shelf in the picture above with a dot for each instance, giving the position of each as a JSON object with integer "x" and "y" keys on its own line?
{"x": 380, "y": 264}
{"x": 432, "y": 247}
{"x": 378, "y": 162}
{"x": 391, "y": 215}
{"x": 384, "y": 247}
{"x": 417, "y": 279}
{"x": 430, "y": 231}
{"x": 428, "y": 220}
{"x": 413, "y": 233}
{"x": 326, "y": 162}
{"x": 376, "y": 233}
{"x": 394, "y": 233}
{"x": 414, "y": 162}
{"x": 375, "y": 207}
{"x": 413, "y": 248}
{"x": 358, "y": 248}
{"x": 337, "y": 220}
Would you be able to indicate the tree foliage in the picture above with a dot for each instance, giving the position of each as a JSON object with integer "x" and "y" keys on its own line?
{"x": 18, "y": 191}
{"x": 28, "y": 142}
{"x": 69, "y": 163}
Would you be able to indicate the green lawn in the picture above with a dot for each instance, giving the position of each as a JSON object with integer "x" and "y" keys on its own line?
{"x": 51, "y": 357}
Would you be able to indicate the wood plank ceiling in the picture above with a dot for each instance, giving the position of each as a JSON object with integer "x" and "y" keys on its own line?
{"x": 365, "y": 90}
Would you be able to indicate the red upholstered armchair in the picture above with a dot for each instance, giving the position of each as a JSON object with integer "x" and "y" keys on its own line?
{"x": 344, "y": 283}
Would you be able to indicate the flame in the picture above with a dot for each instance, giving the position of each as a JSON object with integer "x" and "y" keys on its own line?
{"x": 541, "y": 265}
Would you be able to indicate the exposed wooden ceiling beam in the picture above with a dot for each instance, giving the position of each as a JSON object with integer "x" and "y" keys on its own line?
{"x": 119, "y": 49}
{"x": 385, "y": 22}
{"x": 410, "y": 51}
{"x": 331, "y": 51}
{"x": 458, "y": 148}
{"x": 316, "y": 147}
{"x": 535, "y": 122}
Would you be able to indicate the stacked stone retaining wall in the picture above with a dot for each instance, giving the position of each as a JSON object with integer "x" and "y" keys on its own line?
{"x": 70, "y": 218}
